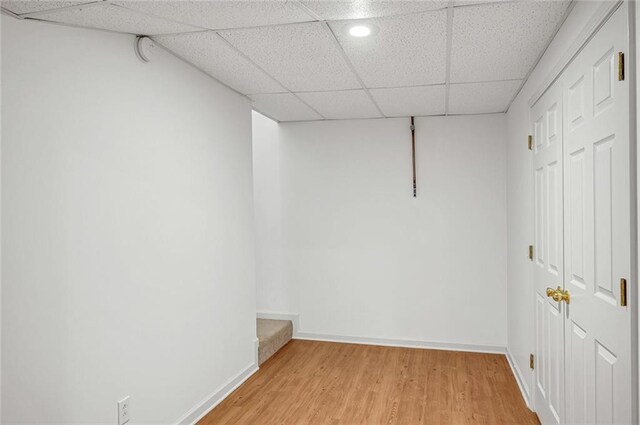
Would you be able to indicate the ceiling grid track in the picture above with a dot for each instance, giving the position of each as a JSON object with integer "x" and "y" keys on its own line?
{"x": 66, "y": 8}
{"x": 65, "y": 24}
{"x": 267, "y": 74}
{"x": 254, "y": 27}
{"x": 10, "y": 13}
{"x": 396, "y": 116}
{"x": 351, "y": 67}
{"x": 306, "y": 10}
{"x": 393, "y": 87}
{"x": 447, "y": 80}
{"x": 395, "y": 15}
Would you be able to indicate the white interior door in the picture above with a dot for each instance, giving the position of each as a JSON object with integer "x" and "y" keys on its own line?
{"x": 548, "y": 256}
{"x": 597, "y": 214}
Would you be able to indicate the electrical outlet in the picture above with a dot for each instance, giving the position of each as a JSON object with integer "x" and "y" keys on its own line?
{"x": 123, "y": 411}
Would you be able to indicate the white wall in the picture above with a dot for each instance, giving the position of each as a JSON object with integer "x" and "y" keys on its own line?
{"x": 274, "y": 295}
{"x": 371, "y": 261}
{"x": 127, "y": 213}
{"x": 520, "y": 197}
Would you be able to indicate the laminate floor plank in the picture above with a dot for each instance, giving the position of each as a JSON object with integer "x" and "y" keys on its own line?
{"x": 324, "y": 383}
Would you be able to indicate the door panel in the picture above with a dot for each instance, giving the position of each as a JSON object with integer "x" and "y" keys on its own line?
{"x": 597, "y": 230}
{"x": 556, "y": 362}
{"x": 541, "y": 381}
{"x": 575, "y": 219}
{"x": 576, "y": 388}
{"x": 554, "y": 248}
{"x": 602, "y": 202}
{"x": 604, "y": 385}
{"x": 548, "y": 258}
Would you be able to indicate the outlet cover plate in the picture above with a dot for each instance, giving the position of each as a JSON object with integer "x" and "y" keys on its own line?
{"x": 123, "y": 411}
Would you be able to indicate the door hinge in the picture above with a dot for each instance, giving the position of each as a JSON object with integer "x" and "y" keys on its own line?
{"x": 531, "y": 252}
{"x": 620, "y": 66}
{"x": 530, "y": 142}
{"x": 531, "y": 361}
{"x": 623, "y": 292}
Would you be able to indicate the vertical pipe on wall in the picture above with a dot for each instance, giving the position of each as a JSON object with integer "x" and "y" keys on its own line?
{"x": 413, "y": 154}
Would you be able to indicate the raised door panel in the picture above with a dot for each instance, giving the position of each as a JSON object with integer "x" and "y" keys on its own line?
{"x": 554, "y": 217}
{"x": 576, "y": 375}
{"x": 575, "y": 223}
{"x": 604, "y": 375}
{"x": 602, "y": 220}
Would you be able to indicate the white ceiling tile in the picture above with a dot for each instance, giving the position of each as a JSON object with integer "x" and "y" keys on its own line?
{"x": 408, "y": 101}
{"x": 303, "y": 57}
{"x": 334, "y": 10}
{"x": 209, "y": 52}
{"x": 116, "y": 18}
{"x": 501, "y": 41}
{"x": 476, "y": 2}
{"x": 403, "y": 51}
{"x": 20, "y": 7}
{"x": 347, "y": 104}
{"x": 223, "y": 14}
{"x": 283, "y": 107}
{"x": 481, "y": 98}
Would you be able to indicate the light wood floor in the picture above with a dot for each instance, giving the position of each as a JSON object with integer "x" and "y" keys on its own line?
{"x": 310, "y": 382}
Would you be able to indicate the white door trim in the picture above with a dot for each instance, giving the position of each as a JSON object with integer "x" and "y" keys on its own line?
{"x": 520, "y": 380}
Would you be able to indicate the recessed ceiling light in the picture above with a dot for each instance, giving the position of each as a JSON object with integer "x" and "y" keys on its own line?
{"x": 359, "y": 31}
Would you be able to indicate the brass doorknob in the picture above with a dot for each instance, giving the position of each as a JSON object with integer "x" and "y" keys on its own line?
{"x": 559, "y": 294}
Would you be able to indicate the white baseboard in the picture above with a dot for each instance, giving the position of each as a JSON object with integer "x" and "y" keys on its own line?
{"x": 200, "y": 410}
{"x": 494, "y": 349}
{"x": 519, "y": 379}
{"x": 294, "y": 317}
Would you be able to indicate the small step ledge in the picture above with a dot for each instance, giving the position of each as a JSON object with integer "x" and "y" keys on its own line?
{"x": 272, "y": 336}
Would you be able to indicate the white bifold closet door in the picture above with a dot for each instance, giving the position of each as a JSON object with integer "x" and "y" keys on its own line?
{"x": 597, "y": 208}
{"x": 548, "y": 255}
{"x": 582, "y": 174}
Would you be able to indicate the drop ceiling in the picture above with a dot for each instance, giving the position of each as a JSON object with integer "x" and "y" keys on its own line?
{"x": 296, "y": 60}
